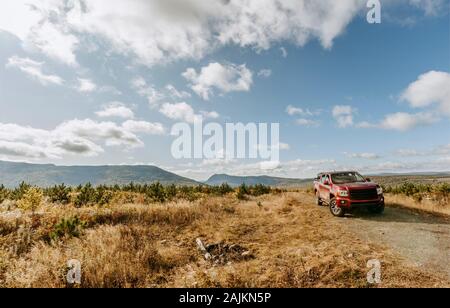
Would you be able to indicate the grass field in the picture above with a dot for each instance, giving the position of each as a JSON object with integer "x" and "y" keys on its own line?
{"x": 274, "y": 239}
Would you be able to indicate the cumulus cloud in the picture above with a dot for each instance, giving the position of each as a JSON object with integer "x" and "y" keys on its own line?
{"x": 223, "y": 77}
{"x": 402, "y": 121}
{"x": 430, "y": 89}
{"x": 430, "y": 7}
{"x": 115, "y": 110}
{"x": 41, "y": 25}
{"x": 184, "y": 112}
{"x": 34, "y": 70}
{"x": 370, "y": 156}
{"x": 176, "y": 94}
{"x": 179, "y": 111}
{"x": 343, "y": 114}
{"x": 86, "y": 85}
{"x": 161, "y": 31}
{"x": 265, "y": 73}
{"x": 307, "y": 122}
{"x": 154, "y": 97}
{"x": 144, "y": 127}
{"x": 76, "y": 137}
{"x": 292, "y": 111}
{"x": 210, "y": 114}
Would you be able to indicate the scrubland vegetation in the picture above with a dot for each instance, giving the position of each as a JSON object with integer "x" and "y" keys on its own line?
{"x": 145, "y": 236}
{"x": 428, "y": 197}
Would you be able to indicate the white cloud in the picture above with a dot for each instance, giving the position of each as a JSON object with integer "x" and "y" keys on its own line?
{"x": 117, "y": 110}
{"x": 265, "y": 73}
{"x": 184, "y": 112}
{"x": 86, "y": 85}
{"x": 225, "y": 78}
{"x": 210, "y": 114}
{"x": 307, "y": 122}
{"x": 408, "y": 153}
{"x": 402, "y": 121}
{"x": 370, "y": 156}
{"x": 166, "y": 30}
{"x": 175, "y": 94}
{"x": 179, "y": 111}
{"x": 42, "y": 26}
{"x": 34, "y": 70}
{"x": 343, "y": 114}
{"x": 292, "y": 111}
{"x": 75, "y": 137}
{"x": 284, "y": 52}
{"x": 430, "y": 7}
{"x": 431, "y": 88}
{"x": 154, "y": 97}
{"x": 144, "y": 127}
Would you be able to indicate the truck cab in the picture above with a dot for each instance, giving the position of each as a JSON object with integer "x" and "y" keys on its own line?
{"x": 344, "y": 191}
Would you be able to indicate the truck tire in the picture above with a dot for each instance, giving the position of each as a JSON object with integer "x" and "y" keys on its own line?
{"x": 377, "y": 209}
{"x": 319, "y": 201}
{"x": 335, "y": 209}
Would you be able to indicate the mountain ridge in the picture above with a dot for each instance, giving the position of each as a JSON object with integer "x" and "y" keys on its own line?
{"x": 44, "y": 175}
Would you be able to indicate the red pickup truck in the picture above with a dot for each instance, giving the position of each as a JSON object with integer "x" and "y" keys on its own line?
{"x": 347, "y": 190}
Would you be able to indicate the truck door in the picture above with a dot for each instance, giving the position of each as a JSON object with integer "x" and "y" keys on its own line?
{"x": 325, "y": 188}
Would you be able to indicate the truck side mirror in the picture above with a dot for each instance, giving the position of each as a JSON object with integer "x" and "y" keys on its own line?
{"x": 368, "y": 180}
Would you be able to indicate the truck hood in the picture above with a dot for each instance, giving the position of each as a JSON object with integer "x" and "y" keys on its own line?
{"x": 358, "y": 185}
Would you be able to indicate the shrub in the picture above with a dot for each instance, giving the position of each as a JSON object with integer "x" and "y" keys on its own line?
{"x": 59, "y": 194}
{"x": 70, "y": 227}
{"x": 31, "y": 199}
{"x": 155, "y": 193}
{"x": 85, "y": 196}
{"x": 102, "y": 196}
{"x": 171, "y": 192}
{"x": 259, "y": 190}
{"x": 4, "y": 194}
{"x": 20, "y": 191}
{"x": 242, "y": 192}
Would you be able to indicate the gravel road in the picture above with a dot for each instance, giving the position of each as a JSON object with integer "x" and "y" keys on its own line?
{"x": 422, "y": 239}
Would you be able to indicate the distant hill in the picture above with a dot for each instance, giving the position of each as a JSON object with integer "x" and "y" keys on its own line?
{"x": 12, "y": 174}
{"x": 218, "y": 179}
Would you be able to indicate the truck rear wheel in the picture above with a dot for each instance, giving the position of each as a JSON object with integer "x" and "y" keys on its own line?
{"x": 335, "y": 209}
{"x": 319, "y": 201}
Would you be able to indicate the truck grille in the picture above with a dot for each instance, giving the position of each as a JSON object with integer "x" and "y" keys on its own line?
{"x": 364, "y": 194}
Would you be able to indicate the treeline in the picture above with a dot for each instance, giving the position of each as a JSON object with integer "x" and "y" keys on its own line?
{"x": 438, "y": 192}
{"x": 85, "y": 195}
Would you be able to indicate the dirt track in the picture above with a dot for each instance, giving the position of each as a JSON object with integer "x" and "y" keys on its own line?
{"x": 422, "y": 239}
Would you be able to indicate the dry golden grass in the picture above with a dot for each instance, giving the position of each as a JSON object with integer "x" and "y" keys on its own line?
{"x": 426, "y": 205}
{"x": 134, "y": 245}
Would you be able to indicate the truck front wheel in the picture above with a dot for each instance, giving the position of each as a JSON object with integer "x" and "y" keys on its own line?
{"x": 377, "y": 209}
{"x": 335, "y": 209}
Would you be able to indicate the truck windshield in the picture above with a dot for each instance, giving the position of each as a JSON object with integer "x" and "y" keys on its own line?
{"x": 347, "y": 177}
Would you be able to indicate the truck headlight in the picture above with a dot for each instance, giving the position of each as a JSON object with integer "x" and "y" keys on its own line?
{"x": 380, "y": 191}
{"x": 343, "y": 193}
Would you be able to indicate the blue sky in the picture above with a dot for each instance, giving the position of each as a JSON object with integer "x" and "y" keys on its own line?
{"x": 102, "y": 82}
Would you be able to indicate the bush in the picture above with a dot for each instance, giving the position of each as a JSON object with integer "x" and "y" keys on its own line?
{"x": 86, "y": 195}
{"x": 102, "y": 196}
{"x": 31, "y": 199}
{"x": 4, "y": 194}
{"x": 259, "y": 190}
{"x": 20, "y": 191}
{"x": 242, "y": 192}
{"x": 71, "y": 227}
{"x": 155, "y": 193}
{"x": 59, "y": 194}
